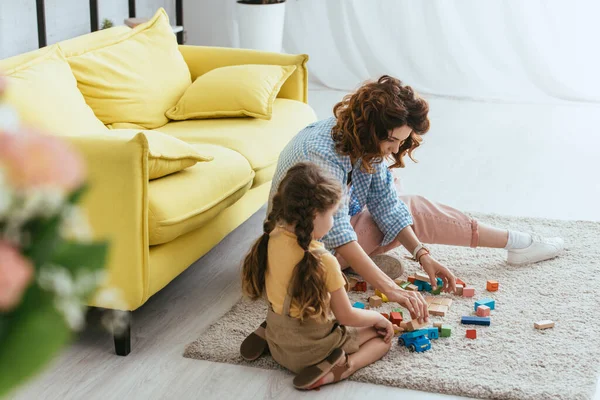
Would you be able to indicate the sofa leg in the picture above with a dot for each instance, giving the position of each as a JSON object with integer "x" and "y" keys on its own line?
{"x": 123, "y": 339}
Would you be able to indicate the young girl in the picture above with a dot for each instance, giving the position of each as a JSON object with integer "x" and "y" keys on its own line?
{"x": 304, "y": 285}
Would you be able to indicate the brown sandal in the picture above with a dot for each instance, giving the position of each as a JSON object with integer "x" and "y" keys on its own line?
{"x": 255, "y": 344}
{"x": 311, "y": 375}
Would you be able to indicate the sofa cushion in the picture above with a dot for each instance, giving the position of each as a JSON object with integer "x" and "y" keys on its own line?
{"x": 259, "y": 140}
{"x": 133, "y": 78}
{"x": 184, "y": 201}
{"x": 44, "y": 92}
{"x": 233, "y": 91}
{"x": 166, "y": 154}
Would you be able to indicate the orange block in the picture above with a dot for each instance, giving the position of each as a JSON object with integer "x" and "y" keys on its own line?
{"x": 386, "y": 316}
{"x": 492, "y": 286}
{"x": 460, "y": 282}
{"x": 395, "y": 318}
{"x": 411, "y": 279}
{"x": 471, "y": 334}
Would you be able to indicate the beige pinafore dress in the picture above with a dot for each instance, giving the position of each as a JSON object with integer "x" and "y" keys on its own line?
{"x": 297, "y": 344}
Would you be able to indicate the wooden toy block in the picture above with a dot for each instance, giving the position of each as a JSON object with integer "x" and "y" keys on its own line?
{"x": 422, "y": 276}
{"x": 405, "y": 284}
{"x": 459, "y": 290}
{"x": 375, "y": 301}
{"x": 460, "y": 282}
{"x": 545, "y": 324}
{"x": 485, "y": 302}
{"x": 412, "y": 288}
{"x": 430, "y": 299}
{"x": 399, "y": 310}
{"x": 425, "y": 286}
{"x": 433, "y": 333}
{"x": 360, "y": 287}
{"x": 483, "y": 311}
{"x": 411, "y": 279}
{"x": 468, "y": 292}
{"x": 399, "y": 282}
{"x": 471, "y": 334}
{"x": 397, "y": 330}
{"x": 352, "y": 281}
{"x": 492, "y": 286}
{"x": 358, "y": 304}
{"x": 437, "y": 325}
{"x": 386, "y": 316}
{"x": 469, "y": 320}
{"x": 445, "y": 331}
{"x": 395, "y": 318}
{"x": 446, "y": 302}
{"x": 382, "y": 295}
{"x": 413, "y": 325}
{"x": 438, "y": 309}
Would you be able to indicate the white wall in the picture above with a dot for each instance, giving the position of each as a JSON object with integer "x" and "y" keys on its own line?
{"x": 210, "y": 22}
{"x": 65, "y": 19}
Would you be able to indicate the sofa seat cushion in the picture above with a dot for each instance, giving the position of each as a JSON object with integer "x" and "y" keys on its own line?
{"x": 259, "y": 140}
{"x": 184, "y": 201}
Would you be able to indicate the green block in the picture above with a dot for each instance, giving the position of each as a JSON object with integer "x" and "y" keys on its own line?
{"x": 404, "y": 285}
{"x": 437, "y": 291}
{"x": 446, "y": 331}
{"x": 398, "y": 310}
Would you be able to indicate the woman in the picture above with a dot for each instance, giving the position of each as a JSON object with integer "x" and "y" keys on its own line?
{"x": 370, "y": 133}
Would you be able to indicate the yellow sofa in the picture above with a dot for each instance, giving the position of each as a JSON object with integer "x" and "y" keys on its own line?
{"x": 159, "y": 227}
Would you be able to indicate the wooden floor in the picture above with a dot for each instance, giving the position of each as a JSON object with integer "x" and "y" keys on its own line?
{"x": 174, "y": 317}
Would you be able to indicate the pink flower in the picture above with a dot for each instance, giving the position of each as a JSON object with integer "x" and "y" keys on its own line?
{"x": 15, "y": 274}
{"x": 30, "y": 159}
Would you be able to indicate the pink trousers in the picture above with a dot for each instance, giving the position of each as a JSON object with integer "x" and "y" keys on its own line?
{"x": 433, "y": 223}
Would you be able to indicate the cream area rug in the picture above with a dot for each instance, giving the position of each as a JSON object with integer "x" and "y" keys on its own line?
{"x": 509, "y": 359}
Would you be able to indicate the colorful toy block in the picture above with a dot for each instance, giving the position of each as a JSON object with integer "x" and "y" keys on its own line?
{"x": 438, "y": 325}
{"x": 405, "y": 284}
{"x": 459, "y": 290}
{"x": 375, "y": 301}
{"x": 469, "y": 320}
{"x": 358, "y": 304}
{"x": 421, "y": 276}
{"x": 460, "y": 282}
{"x": 352, "y": 281}
{"x": 386, "y": 316}
{"x": 468, "y": 292}
{"x": 412, "y": 288}
{"x": 545, "y": 324}
{"x": 438, "y": 309}
{"x": 411, "y": 279}
{"x": 485, "y": 302}
{"x": 399, "y": 310}
{"x": 492, "y": 286}
{"x": 395, "y": 318}
{"x": 446, "y": 331}
{"x": 471, "y": 334}
{"x": 446, "y": 302}
{"x": 433, "y": 333}
{"x": 483, "y": 311}
{"x": 360, "y": 286}
{"x": 425, "y": 286}
{"x": 382, "y": 295}
{"x": 430, "y": 299}
{"x": 413, "y": 325}
{"x": 440, "y": 285}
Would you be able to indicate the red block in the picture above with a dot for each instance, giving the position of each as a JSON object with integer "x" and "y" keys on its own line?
{"x": 395, "y": 318}
{"x": 471, "y": 334}
{"x": 360, "y": 287}
{"x": 386, "y": 316}
{"x": 460, "y": 282}
{"x": 411, "y": 279}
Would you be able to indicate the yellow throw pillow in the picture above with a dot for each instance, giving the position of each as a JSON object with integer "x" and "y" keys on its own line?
{"x": 166, "y": 154}
{"x": 134, "y": 78}
{"x": 44, "y": 92}
{"x": 234, "y": 91}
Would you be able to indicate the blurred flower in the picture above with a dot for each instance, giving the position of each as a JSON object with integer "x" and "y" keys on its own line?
{"x": 75, "y": 224}
{"x": 33, "y": 160}
{"x": 72, "y": 310}
{"x": 56, "y": 279}
{"x": 5, "y": 196}
{"x": 15, "y": 274}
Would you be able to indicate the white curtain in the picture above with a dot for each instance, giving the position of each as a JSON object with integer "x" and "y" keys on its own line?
{"x": 513, "y": 50}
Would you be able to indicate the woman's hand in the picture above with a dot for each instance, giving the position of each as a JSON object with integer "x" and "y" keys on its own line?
{"x": 385, "y": 329}
{"x": 412, "y": 301}
{"x": 435, "y": 269}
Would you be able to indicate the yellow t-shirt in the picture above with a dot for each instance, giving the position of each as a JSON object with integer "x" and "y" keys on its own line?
{"x": 283, "y": 255}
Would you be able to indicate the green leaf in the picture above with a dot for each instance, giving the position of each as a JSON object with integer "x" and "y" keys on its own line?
{"x": 75, "y": 197}
{"x": 75, "y": 255}
{"x": 35, "y": 333}
{"x": 44, "y": 238}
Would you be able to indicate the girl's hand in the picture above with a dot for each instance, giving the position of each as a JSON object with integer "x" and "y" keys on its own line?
{"x": 412, "y": 301}
{"x": 435, "y": 269}
{"x": 385, "y": 329}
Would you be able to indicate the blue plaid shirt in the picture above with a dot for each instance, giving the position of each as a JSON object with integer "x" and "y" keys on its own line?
{"x": 376, "y": 191}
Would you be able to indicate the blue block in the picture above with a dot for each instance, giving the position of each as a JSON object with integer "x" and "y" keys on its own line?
{"x": 485, "y": 302}
{"x": 426, "y": 286}
{"x": 468, "y": 320}
{"x": 439, "y": 281}
{"x": 433, "y": 333}
{"x": 414, "y": 334}
{"x": 358, "y": 304}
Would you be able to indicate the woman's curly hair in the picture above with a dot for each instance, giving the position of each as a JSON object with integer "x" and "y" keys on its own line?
{"x": 304, "y": 191}
{"x": 365, "y": 118}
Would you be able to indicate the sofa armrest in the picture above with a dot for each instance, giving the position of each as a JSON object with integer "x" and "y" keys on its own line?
{"x": 201, "y": 59}
{"x": 117, "y": 207}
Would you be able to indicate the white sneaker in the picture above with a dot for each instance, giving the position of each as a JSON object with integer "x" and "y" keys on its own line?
{"x": 540, "y": 249}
